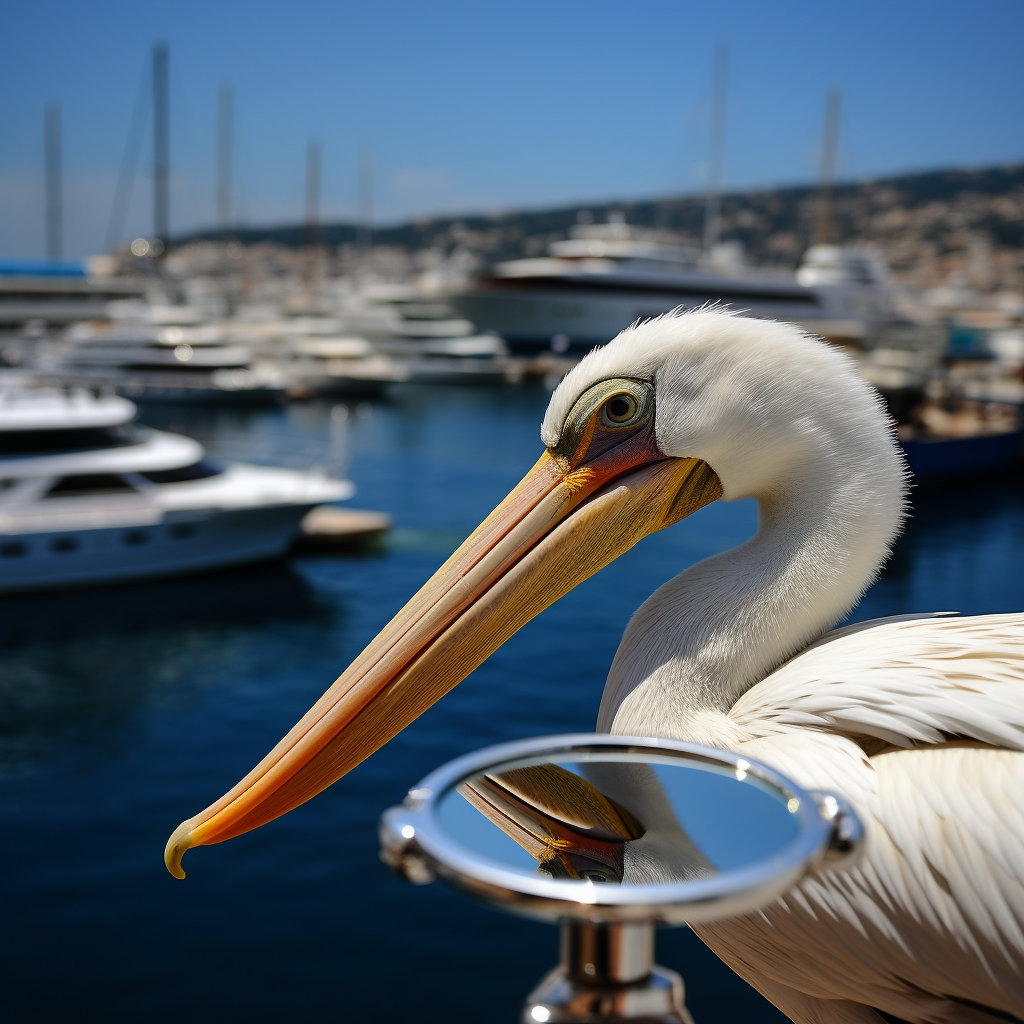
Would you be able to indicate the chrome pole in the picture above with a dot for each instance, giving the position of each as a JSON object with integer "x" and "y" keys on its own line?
{"x": 607, "y": 974}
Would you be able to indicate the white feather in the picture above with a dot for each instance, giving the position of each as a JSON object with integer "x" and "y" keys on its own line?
{"x": 930, "y": 925}
{"x": 912, "y": 682}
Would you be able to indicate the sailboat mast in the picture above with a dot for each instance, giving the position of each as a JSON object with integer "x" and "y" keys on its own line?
{"x": 312, "y": 233}
{"x": 365, "y": 234}
{"x": 824, "y": 226}
{"x": 225, "y": 147}
{"x": 54, "y": 197}
{"x": 161, "y": 144}
{"x": 713, "y": 203}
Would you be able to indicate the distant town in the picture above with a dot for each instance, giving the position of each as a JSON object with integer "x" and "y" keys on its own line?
{"x": 961, "y": 229}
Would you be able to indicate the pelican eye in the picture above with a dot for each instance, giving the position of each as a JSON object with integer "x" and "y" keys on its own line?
{"x": 620, "y": 410}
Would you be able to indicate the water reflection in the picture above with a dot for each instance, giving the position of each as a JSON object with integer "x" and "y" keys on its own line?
{"x": 79, "y": 664}
{"x": 976, "y": 512}
{"x": 962, "y": 550}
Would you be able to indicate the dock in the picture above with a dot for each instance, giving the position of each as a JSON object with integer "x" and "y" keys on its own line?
{"x": 331, "y": 529}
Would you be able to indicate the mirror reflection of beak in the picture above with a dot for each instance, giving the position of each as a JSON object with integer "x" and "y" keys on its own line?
{"x": 568, "y": 825}
{"x": 668, "y": 852}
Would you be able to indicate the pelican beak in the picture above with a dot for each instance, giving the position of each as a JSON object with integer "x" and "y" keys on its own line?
{"x": 565, "y": 822}
{"x": 560, "y": 525}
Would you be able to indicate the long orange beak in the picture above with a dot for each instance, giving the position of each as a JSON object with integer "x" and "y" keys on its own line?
{"x": 558, "y": 527}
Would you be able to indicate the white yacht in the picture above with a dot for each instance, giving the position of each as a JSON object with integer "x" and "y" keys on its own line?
{"x": 87, "y": 496}
{"x": 607, "y": 276}
{"x": 154, "y": 362}
{"x": 408, "y": 341}
{"x": 440, "y": 349}
{"x": 319, "y": 365}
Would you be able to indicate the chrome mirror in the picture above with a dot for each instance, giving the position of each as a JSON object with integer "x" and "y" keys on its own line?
{"x": 609, "y": 836}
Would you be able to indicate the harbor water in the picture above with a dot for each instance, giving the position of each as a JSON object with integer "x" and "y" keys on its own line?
{"x": 127, "y": 709}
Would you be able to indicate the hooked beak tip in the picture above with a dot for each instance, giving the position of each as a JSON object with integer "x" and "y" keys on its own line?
{"x": 180, "y": 841}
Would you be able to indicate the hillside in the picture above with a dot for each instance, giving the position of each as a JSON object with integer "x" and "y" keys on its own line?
{"x": 935, "y": 228}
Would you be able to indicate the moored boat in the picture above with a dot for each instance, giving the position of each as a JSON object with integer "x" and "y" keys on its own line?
{"x": 167, "y": 363}
{"x": 340, "y": 366}
{"x": 87, "y": 496}
{"x": 959, "y": 437}
{"x": 930, "y": 456}
{"x": 605, "y": 277}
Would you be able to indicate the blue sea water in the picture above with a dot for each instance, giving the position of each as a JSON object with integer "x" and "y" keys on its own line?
{"x": 125, "y": 710}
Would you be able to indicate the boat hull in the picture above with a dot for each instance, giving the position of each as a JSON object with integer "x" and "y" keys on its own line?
{"x": 962, "y": 456}
{"x": 533, "y": 317}
{"x": 177, "y": 395}
{"x": 181, "y": 543}
{"x": 179, "y": 388}
{"x": 328, "y": 385}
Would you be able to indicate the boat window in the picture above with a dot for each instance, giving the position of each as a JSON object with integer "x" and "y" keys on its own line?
{"x": 13, "y": 549}
{"x": 64, "y": 544}
{"x": 35, "y": 442}
{"x": 197, "y": 471}
{"x": 89, "y": 483}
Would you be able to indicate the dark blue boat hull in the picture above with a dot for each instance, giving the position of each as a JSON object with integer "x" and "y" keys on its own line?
{"x": 959, "y": 456}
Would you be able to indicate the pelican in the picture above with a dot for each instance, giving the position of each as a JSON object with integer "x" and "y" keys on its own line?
{"x": 919, "y": 721}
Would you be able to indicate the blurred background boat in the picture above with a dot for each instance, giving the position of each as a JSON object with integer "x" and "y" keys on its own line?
{"x": 352, "y": 367}
{"x": 605, "y": 277}
{"x": 957, "y": 413}
{"x": 58, "y": 292}
{"x": 164, "y": 354}
{"x": 982, "y": 448}
{"x": 391, "y": 336}
{"x": 87, "y": 497}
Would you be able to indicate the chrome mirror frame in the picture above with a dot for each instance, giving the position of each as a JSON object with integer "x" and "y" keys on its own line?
{"x": 414, "y": 843}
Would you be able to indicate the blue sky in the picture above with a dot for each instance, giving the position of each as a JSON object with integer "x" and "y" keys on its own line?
{"x": 481, "y": 105}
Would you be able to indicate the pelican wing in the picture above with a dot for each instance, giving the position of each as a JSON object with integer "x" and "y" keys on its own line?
{"x": 902, "y": 683}
{"x": 930, "y": 925}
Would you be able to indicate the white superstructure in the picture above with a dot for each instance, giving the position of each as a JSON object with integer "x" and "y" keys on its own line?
{"x": 407, "y": 341}
{"x": 607, "y": 276}
{"x": 87, "y": 496}
{"x": 176, "y": 362}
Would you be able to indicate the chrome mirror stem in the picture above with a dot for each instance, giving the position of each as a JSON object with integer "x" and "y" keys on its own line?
{"x": 607, "y": 973}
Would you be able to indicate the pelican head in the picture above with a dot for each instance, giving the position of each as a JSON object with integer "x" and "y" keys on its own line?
{"x": 671, "y": 415}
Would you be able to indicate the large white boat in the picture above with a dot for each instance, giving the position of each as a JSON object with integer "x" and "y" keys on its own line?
{"x": 87, "y": 496}
{"x": 607, "y": 276}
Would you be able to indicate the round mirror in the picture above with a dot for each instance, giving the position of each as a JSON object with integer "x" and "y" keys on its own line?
{"x": 613, "y": 828}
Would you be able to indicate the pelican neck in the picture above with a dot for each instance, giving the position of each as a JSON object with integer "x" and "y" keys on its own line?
{"x": 708, "y": 635}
